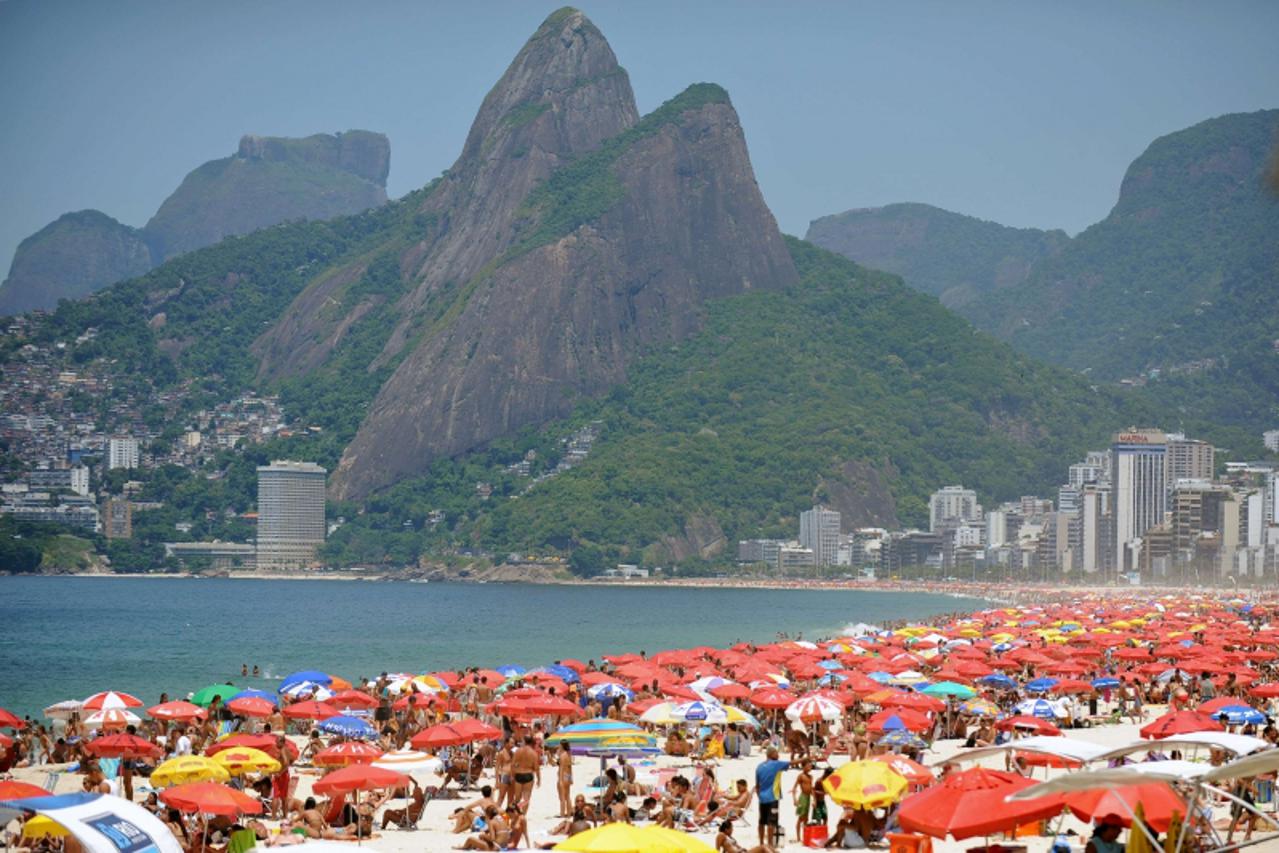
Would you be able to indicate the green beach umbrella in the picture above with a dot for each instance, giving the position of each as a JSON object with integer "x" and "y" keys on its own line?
{"x": 204, "y": 697}
{"x": 950, "y": 688}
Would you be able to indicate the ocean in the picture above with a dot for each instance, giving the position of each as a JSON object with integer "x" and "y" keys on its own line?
{"x": 68, "y": 637}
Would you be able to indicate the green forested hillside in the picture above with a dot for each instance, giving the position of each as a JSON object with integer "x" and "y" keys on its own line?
{"x": 741, "y": 425}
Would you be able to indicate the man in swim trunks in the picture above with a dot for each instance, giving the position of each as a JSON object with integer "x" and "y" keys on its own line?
{"x": 802, "y": 792}
{"x": 502, "y": 773}
{"x": 525, "y": 771}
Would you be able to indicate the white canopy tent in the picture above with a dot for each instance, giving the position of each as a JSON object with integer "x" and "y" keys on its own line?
{"x": 1066, "y": 748}
{"x": 1234, "y": 744}
{"x": 102, "y": 823}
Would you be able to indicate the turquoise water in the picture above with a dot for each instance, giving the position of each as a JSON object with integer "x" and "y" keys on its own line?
{"x": 65, "y": 638}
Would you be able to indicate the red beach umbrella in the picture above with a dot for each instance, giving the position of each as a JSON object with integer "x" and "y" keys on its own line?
{"x": 528, "y": 707}
{"x": 731, "y": 691}
{"x": 251, "y": 706}
{"x": 11, "y": 789}
{"x": 438, "y": 737}
{"x": 1157, "y": 800}
{"x": 352, "y": 699}
{"x": 264, "y": 742}
{"x": 477, "y": 730}
{"x": 347, "y": 753}
{"x": 1027, "y": 723}
{"x": 904, "y": 717}
{"x": 360, "y": 777}
{"x": 210, "y": 798}
{"x": 124, "y": 746}
{"x": 111, "y": 699}
{"x": 971, "y": 803}
{"x": 180, "y": 711}
{"x": 309, "y": 710}
{"x": 1180, "y": 723}
{"x": 914, "y": 772}
{"x": 913, "y": 701}
{"x": 10, "y": 720}
{"x": 772, "y": 698}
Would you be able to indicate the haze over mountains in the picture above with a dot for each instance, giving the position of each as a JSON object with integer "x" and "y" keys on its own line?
{"x": 267, "y": 181}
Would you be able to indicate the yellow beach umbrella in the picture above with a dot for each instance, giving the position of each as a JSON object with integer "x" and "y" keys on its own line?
{"x": 1138, "y": 842}
{"x": 43, "y": 827}
{"x": 243, "y": 759}
{"x": 188, "y": 768}
{"x": 865, "y": 785}
{"x": 625, "y": 838}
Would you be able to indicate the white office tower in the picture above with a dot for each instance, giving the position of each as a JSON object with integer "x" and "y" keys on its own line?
{"x": 951, "y": 506}
{"x": 1139, "y": 490}
{"x": 290, "y": 514}
{"x": 122, "y": 452}
{"x": 819, "y": 532}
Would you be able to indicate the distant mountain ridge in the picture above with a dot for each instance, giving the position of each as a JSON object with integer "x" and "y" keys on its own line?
{"x": 269, "y": 180}
{"x": 1175, "y": 285}
{"x": 957, "y": 258}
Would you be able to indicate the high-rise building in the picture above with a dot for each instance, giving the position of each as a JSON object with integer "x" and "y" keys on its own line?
{"x": 290, "y": 514}
{"x": 996, "y": 528}
{"x": 1188, "y": 460}
{"x": 1270, "y": 438}
{"x": 952, "y": 505}
{"x": 759, "y": 550}
{"x": 1095, "y": 520}
{"x": 1139, "y": 493}
{"x": 122, "y": 452}
{"x": 819, "y": 532}
{"x": 117, "y": 518}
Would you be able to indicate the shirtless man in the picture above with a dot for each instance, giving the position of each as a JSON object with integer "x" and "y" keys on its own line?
{"x": 525, "y": 771}
{"x": 735, "y": 805}
{"x": 564, "y": 779}
{"x": 802, "y": 793}
{"x": 502, "y": 773}
{"x": 466, "y": 815}
{"x": 281, "y": 782}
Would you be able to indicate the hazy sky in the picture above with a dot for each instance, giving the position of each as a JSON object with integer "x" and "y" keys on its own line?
{"x": 1022, "y": 112}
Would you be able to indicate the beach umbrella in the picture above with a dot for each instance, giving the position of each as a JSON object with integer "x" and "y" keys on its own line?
{"x": 346, "y": 726}
{"x": 352, "y": 699}
{"x": 347, "y": 753}
{"x": 949, "y": 688}
{"x": 242, "y": 760}
{"x": 914, "y": 772}
{"x": 431, "y": 683}
{"x": 902, "y": 739}
{"x": 12, "y": 789}
{"x": 255, "y": 694}
{"x": 188, "y": 768}
{"x": 210, "y": 798}
{"x": 1116, "y": 805}
{"x": 628, "y": 838}
{"x": 814, "y": 707}
{"x": 610, "y": 690}
{"x": 1025, "y": 723}
{"x": 307, "y": 690}
{"x": 866, "y": 785}
{"x": 204, "y": 696}
{"x": 112, "y": 718}
{"x": 998, "y": 679}
{"x": 309, "y": 710}
{"x": 511, "y": 670}
{"x": 598, "y": 733}
{"x": 409, "y": 761}
{"x": 1105, "y": 682}
{"x": 63, "y": 710}
{"x": 564, "y": 673}
{"x": 526, "y": 707}
{"x": 1040, "y": 685}
{"x": 1179, "y": 723}
{"x": 251, "y": 706}
{"x": 772, "y": 698}
{"x": 906, "y": 699}
{"x": 971, "y": 803}
{"x": 10, "y": 720}
{"x": 177, "y": 711}
{"x": 438, "y": 737}
{"x": 1239, "y": 715}
{"x": 41, "y": 826}
{"x": 887, "y": 720}
{"x": 1041, "y": 708}
{"x": 111, "y": 699}
{"x": 265, "y": 742}
{"x": 979, "y": 708}
{"x": 359, "y": 777}
{"x": 313, "y": 676}
{"x": 123, "y": 746}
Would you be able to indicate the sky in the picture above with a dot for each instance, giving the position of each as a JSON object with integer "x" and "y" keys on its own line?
{"x": 1025, "y": 113}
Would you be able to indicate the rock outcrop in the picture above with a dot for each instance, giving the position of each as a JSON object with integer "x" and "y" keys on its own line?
{"x": 71, "y": 257}
{"x": 574, "y": 237}
{"x": 268, "y": 181}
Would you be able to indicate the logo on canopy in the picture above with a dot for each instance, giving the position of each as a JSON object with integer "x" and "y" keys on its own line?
{"x": 127, "y": 837}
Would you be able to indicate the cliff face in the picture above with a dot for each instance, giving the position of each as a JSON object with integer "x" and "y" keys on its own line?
{"x": 569, "y": 236}
{"x": 268, "y": 181}
{"x": 956, "y": 258}
{"x": 71, "y": 257}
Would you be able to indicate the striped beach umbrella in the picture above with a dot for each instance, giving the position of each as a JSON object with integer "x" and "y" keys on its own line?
{"x": 599, "y": 733}
{"x": 409, "y": 761}
{"x": 111, "y": 699}
{"x": 346, "y": 726}
{"x": 111, "y": 718}
{"x": 814, "y": 707}
{"x": 610, "y": 690}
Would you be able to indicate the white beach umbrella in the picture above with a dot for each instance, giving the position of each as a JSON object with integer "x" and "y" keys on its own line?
{"x": 112, "y": 718}
{"x": 409, "y": 761}
{"x": 809, "y": 709}
{"x": 63, "y": 710}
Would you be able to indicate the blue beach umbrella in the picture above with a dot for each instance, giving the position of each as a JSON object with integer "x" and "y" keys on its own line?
{"x": 1105, "y": 681}
{"x": 1239, "y": 715}
{"x": 563, "y": 673}
{"x": 830, "y": 664}
{"x": 346, "y": 726}
{"x": 307, "y": 690}
{"x": 255, "y": 694}
{"x": 1041, "y": 708}
{"x": 312, "y": 675}
{"x": 511, "y": 670}
{"x": 832, "y": 678}
{"x": 1039, "y": 685}
{"x": 998, "y": 679}
{"x": 610, "y": 690}
{"x": 901, "y": 738}
{"x": 882, "y": 677}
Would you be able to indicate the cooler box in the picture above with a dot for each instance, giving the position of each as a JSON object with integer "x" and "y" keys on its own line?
{"x": 815, "y": 835}
{"x": 904, "y": 843}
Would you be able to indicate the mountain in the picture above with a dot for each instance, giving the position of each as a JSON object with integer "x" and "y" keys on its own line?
{"x": 72, "y": 257}
{"x": 269, "y": 180}
{"x": 581, "y": 263}
{"x": 957, "y": 258}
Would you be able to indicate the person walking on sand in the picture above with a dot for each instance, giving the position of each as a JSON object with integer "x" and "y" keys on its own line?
{"x": 525, "y": 770}
{"x": 768, "y": 787}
